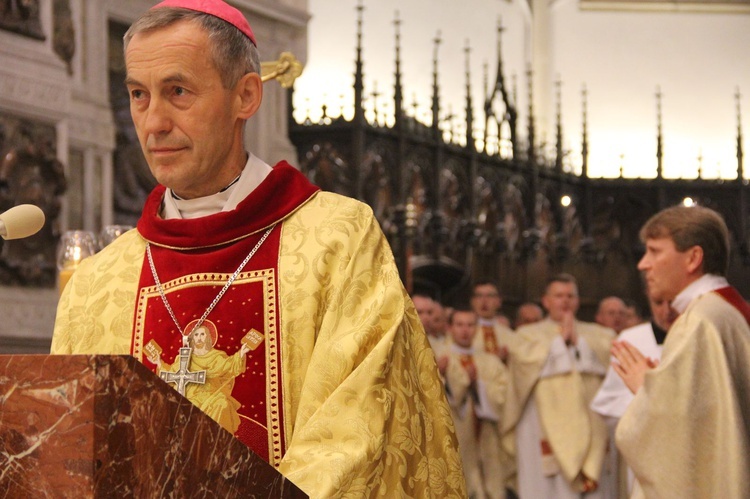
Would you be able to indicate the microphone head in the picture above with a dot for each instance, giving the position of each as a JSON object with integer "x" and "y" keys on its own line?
{"x": 21, "y": 221}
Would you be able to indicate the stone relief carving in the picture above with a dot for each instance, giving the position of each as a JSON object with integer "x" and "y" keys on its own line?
{"x": 26, "y": 90}
{"x": 63, "y": 35}
{"x": 30, "y": 173}
{"x": 22, "y": 17}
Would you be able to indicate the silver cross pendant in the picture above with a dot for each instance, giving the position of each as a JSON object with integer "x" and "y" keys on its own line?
{"x": 182, "y": 377}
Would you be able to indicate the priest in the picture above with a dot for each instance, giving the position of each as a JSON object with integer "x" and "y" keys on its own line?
{"x": 476, "y": 382}
{"x": 556, "y": 367}
{"x": 614, "y": 396}
{"x": 687, "y": 431}
{"x": 335, "y": 383}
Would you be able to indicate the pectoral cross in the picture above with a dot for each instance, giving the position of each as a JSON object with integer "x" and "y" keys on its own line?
{"x": 183, "y": 376}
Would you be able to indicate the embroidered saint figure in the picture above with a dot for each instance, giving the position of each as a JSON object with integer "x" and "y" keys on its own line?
{"x": 214, "y": 397}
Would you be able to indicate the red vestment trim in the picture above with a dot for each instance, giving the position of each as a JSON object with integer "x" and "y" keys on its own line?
{"x": 283, "y": 191}
{"x": 734, "y": 298}
{"x": 193, "y": 259}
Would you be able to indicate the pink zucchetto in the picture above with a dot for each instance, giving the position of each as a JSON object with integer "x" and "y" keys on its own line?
{"x": 216, "y": 8}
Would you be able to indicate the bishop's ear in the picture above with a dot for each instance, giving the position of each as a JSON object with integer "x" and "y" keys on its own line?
{"x": 249, "y": 93}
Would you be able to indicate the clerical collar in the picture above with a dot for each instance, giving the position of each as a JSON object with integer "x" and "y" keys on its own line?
{"x": 659, "y": 334}
{"x": 485, "y": 322}
{"x": 254, "y": 172}
{"x": 462, "y": 350}
{"x": 226, "y": 188}
{"x": 705, "y": 284}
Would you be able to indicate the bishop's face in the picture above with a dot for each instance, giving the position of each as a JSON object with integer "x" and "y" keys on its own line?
{"x": 187, "y": 122}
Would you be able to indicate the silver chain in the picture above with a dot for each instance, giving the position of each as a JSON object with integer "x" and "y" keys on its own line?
{"x": 218, "y": 297}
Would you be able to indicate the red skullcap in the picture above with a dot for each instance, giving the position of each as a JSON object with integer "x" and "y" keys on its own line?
{"x": 216, "y": 8}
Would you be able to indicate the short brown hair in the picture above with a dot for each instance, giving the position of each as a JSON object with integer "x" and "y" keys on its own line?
{"x": 693, "y": 226}
{"x": 486, "y": 282}
{"x": 460, "y": 309}
{"x": 563, "y": 278}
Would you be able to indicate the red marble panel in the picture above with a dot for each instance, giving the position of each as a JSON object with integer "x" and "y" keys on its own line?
{"x": 104, "y": 426}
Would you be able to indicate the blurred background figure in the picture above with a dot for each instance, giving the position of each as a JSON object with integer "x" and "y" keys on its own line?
{"x": 556, "y": 367}
{"x": 528, "y": 313}
{"x": 476, "y": 383}
{"x": 611, "y": 313}
{"x": 493, "y": 333}
{"x": 431, "y": 314}
{"x": 633, "y": 315}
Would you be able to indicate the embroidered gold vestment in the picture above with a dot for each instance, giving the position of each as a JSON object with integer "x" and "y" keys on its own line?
{"x": 345, "y": 391}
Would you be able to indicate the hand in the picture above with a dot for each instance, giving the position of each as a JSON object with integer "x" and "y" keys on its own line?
{"x": 631, "y": 364}
{"x": 471, "y": 370}
{"x": 568, "y": 329}
{"x": 156, "y": 361}
{"x": 244, "y": 349}
{"x": 502, "y": 353}
{"x": 442, "y": 363}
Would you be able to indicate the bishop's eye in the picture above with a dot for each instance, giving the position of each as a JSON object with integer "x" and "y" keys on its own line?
{"x": 179, "y": 91}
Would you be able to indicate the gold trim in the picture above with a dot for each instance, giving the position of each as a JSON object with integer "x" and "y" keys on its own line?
{"x": 273, "y": 391}
{"x": 267, "y": 280}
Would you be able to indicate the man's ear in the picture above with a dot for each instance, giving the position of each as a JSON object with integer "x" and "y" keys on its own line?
{"x": 694, "y": 262}
{"x": 249, "y": 92}
{"x": 545, "y": 302}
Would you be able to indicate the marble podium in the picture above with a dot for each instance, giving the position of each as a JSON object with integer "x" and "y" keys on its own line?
{"x": 105, "y": 426}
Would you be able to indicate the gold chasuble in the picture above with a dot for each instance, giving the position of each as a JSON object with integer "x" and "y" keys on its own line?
{"x": 314, "y": 357}
{"x": 687, "y": 432}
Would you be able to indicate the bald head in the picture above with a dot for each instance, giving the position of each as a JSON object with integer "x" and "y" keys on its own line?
{"x": 528, "y": 313}
{"x": 611, "y": 313}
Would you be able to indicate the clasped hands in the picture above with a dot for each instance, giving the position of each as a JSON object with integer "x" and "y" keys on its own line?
{"x": 631, "y": 365}
{"x": 568, "y": 329}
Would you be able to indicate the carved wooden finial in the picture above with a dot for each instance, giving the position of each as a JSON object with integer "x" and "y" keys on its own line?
{"x": 659, "y": 137}
{"x": 584, "y": 133}
{"x": 740, "y": 156}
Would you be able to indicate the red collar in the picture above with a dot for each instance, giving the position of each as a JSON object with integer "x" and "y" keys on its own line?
{"x": 283, "y": 191}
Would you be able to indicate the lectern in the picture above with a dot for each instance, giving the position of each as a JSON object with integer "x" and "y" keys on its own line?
{"x": 106, "y": 426}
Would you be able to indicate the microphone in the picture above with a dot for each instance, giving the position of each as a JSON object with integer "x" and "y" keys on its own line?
{"x": 21, "y": 221}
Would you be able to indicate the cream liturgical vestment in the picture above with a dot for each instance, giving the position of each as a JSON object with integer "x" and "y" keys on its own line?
{"x": 476, "y": 412}
{"x": 687, "y": 432}
{"x": 325, "y": 369}
{"x": 614, "y": 397}
{"x": 559, "y": 442}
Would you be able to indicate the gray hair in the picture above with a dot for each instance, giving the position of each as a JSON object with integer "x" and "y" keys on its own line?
{"x": 233, "y": 54}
